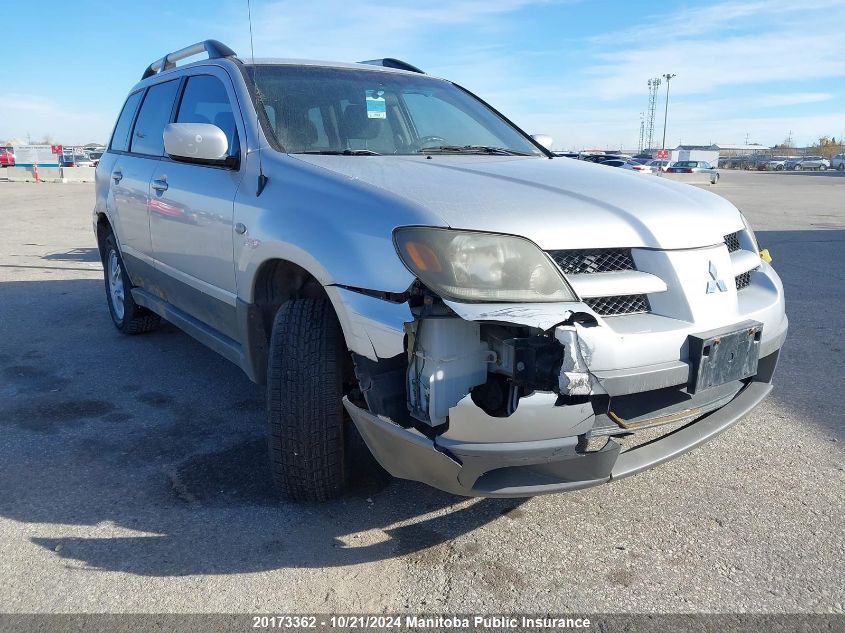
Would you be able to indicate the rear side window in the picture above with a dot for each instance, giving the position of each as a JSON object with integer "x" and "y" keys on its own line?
{"x": 147, "y": 138}
{"x": 205, "y": 101}
{"x": 120, "y": 138}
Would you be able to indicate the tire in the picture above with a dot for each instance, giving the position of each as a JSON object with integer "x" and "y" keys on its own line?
{"x": 779, "y": 168}
{"x": 127, "y": 316}
{"x": 841, "y": 166}
{"x": 715, "y": 179}
{"x": 797, "y": 168}
{"x": 822, "y": 167}
{"x": 314, "y": 446}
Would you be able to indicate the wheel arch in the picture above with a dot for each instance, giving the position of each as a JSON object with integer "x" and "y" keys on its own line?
{"x": 104, "y": 226}
{"x": 277, "y": 281}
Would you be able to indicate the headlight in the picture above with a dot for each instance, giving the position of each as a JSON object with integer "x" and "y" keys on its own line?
{"x": 481, "y": 267}
{"x": 750, "y": 233}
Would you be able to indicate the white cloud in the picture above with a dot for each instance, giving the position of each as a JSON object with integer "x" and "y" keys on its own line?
{"x": 723, "y": 45}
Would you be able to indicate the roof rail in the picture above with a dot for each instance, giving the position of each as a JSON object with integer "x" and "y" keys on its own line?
{"x": 214, "y": 49}
{"x": 392, "y": 62}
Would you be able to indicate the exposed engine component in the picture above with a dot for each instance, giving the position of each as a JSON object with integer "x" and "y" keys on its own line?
{"x": 531, "y": 362}
{"x": 446, "y": 358}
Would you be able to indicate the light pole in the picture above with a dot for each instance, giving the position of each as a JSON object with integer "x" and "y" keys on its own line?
{"x": 667, "y": 77}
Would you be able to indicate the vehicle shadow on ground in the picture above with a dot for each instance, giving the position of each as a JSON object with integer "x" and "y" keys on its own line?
{"x": 154, "y": 445}
{"x": 88, "y": 254}
{"x": 157, "y": 445}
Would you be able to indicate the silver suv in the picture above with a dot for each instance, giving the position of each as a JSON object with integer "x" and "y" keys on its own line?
{"x": 811, "y": 163}
{"x": 400, "y": 263}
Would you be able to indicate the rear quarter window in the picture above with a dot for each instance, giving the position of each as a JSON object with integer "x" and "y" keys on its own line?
{"x": 120, "y": 136}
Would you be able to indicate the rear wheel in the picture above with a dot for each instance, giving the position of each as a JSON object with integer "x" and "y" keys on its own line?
{"x": 314, "y": 445}
{"x": 127, "y": 316}
{"x": 797, "y": 168}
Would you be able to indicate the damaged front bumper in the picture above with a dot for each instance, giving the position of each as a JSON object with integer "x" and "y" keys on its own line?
{"x": 540, "y": 466}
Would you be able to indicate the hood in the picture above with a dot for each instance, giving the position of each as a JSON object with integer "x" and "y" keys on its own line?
{"x": 557, "y": 203}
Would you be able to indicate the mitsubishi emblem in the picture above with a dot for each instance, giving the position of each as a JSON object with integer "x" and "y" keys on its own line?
{"x": 715, "y": 283}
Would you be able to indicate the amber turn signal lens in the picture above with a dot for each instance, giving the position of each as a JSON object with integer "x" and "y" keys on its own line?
{"x": 423, "y": 257}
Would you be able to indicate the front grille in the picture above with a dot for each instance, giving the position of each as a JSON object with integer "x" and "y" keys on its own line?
{"x": 622, "y": 304}
{"x": 603, "y": 260}
{"x": 743, "y": 280}
{"x": 732, "y": 242}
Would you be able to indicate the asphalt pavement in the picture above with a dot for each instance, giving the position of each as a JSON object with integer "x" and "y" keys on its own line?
{"x": 134, "y": 474}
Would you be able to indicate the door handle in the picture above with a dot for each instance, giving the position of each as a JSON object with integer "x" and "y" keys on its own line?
{"x": 117, "y": 176}
{"x": 160, "y": 185}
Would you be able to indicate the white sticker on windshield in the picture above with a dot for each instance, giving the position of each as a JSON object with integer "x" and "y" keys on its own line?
{"x": 376, "y": 107}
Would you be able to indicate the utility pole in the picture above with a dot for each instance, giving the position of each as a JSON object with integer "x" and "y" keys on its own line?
{"x": 668, "y": 77}
{"x": 653, "y": 84}
{"x": 642, "y": 133}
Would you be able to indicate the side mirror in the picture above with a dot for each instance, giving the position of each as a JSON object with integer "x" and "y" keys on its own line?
{"x": 543, "y": 139}
{"x": 196, "y": 142}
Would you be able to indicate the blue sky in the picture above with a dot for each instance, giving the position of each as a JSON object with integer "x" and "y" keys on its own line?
{"x": 574, "y": 69}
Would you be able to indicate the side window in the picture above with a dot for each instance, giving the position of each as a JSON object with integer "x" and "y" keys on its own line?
{"x": 147, "y": 137}
{"x": 205, "y": 101}
{"x": 120, "y": 137}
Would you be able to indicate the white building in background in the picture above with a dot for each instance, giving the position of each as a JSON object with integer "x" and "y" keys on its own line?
{"x": 741, "y": 150}
{"x": 706, "y": 153}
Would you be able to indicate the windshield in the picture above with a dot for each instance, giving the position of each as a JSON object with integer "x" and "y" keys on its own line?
{"x": 360, "y": 112}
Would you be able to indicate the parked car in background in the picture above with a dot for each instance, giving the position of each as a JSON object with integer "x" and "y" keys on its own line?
{"x": 838, "y": 162}
{"x": 694, "y": 167}
{"x": 809, "y": 163}
{"x": 628, "y": 164}
{"x": 778, "y": 163}
{"x": 7, "y": 157}
{"x": 95, "y": 156}
{"x": 658, "y": 165}
{"x": 574, "y": 155}
{"x": 77, "y": 159}
{"x": 600, "y": 158}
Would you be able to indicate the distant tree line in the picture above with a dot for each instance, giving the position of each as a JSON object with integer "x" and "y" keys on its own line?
{"x": 826, "y": 146}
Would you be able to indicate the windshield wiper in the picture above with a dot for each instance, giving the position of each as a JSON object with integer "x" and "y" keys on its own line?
{"x": 342, "y": 152}
{"x": 472, "y": 149}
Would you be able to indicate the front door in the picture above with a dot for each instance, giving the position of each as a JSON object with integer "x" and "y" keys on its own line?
{"x": 192, "y": 210}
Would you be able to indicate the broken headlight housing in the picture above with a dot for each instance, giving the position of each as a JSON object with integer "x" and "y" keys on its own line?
{"x": 470, "y": 266}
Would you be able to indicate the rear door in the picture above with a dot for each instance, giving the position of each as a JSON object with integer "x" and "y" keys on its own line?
{"x": 137, "y": 153}
{"x": 192, "y": 210}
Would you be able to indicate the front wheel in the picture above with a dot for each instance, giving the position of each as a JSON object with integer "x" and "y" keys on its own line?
{"x": 314, "y": 446}
{"x": 127, "y": 316}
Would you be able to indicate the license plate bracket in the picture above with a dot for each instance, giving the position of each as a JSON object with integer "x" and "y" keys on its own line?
{"x": 721, "y": 356}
